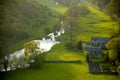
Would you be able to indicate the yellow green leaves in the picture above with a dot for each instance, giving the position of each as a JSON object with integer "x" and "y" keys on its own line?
{"x": 30, "y": 48}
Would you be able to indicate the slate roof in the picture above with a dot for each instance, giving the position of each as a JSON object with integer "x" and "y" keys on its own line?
{"x": 93, "y": 49}
{"x": 101, "y": 39}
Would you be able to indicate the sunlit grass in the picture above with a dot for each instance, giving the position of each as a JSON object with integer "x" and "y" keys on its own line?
{"x": 99, "y": 13}
{"x": 61, "y": 10}
{"x": 95, "y": 24}
{"x": 52, "y": 5}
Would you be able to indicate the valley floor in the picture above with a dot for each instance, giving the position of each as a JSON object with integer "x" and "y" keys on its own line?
{"x": 60, "y": 71}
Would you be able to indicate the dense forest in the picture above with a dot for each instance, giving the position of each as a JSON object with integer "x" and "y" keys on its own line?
{"x": 18, "y": 18}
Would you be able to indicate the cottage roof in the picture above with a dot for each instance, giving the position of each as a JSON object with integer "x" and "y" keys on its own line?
{"x": 93, "y": 49}
{"x": 102, "y": 39}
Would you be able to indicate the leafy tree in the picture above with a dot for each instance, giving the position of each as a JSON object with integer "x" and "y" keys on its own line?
{"x": 33, "y": 53}
{"x": 118, "y": 70}
{"x": 47, "y": 30}
{"x": 71, "y": 27}
{"x": 79, "y": 45}
{"x": 75, "y": 12}
{"x": 38, "y": 60}
{"x": 114, "y": 49}
{"x": 114, "y": 10}
{"x": 31, "y": 48}
{"x": 70, "y": 45}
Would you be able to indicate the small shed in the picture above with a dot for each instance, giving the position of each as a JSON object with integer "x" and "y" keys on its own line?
{"x": 94, "y": 52}
{"x": 85, "y": 44}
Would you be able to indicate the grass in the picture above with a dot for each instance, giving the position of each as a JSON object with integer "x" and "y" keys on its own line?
{"x": 96, "y": 23}
{"x": 51, "y": 4}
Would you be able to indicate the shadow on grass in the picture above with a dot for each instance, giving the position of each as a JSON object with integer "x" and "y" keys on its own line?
{"x": 52, "y": 71}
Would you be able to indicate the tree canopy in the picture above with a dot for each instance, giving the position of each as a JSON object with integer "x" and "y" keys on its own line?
{"x": 113, "y": 8}
{"x": 31, "y": 48}
{"x": 18, "y": 18}
{"x": 114, "y": 49}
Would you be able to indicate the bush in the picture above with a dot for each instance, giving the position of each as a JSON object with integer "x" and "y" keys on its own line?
{"x": 70, "y": 45}
{"x": 36, "y": 60}
{"x": 79, "y": 45}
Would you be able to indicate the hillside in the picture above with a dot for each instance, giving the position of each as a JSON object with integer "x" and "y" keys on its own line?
{"x": 25, "y": 20}
{"x": 94, "y": 24}
{"x": 56, "y": 8}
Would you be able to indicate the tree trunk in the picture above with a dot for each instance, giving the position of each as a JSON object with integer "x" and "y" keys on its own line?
{"x": 118, "y": 25}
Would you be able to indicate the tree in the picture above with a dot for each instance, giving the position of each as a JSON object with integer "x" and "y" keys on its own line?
{"x": 5, "y": 64}
{"x": 75, "y": 12}
{"x": 38, "y": 60}
{"x": 33, "y": 54}
{"x": 47, "y": 30}
{"x": 114, "y": 10}
{"x": 118, "y": 70}
{"x": 71, "y": 27}
{"x": 31, "y": 48}
{"x": 79, "y": 45}
{"x": 114, "y": 49}
{"x": 70, "y": 45}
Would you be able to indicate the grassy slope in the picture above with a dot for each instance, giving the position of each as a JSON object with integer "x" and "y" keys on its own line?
{"x": 61, "y": 71}
{"x": 53, "y": 6}
{"x": 95, "y": 24}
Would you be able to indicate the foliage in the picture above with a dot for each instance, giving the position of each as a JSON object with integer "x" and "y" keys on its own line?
{"x": 33, "y": 54}
{"x": 18, "y": 19}
{"x": 31, "y": 48}
{"x": 118, "y": 70}
{"x": 47, "y": 30}
{"x": 114, "y": 46}
{"x": 37, "y": 59}
{"x": 100, "y": 3}
{"x": 70, "y": 45}
{"x": 79, "y": 45}
{"x": 114, "y": 10}
{"x": 75, "y": 12}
